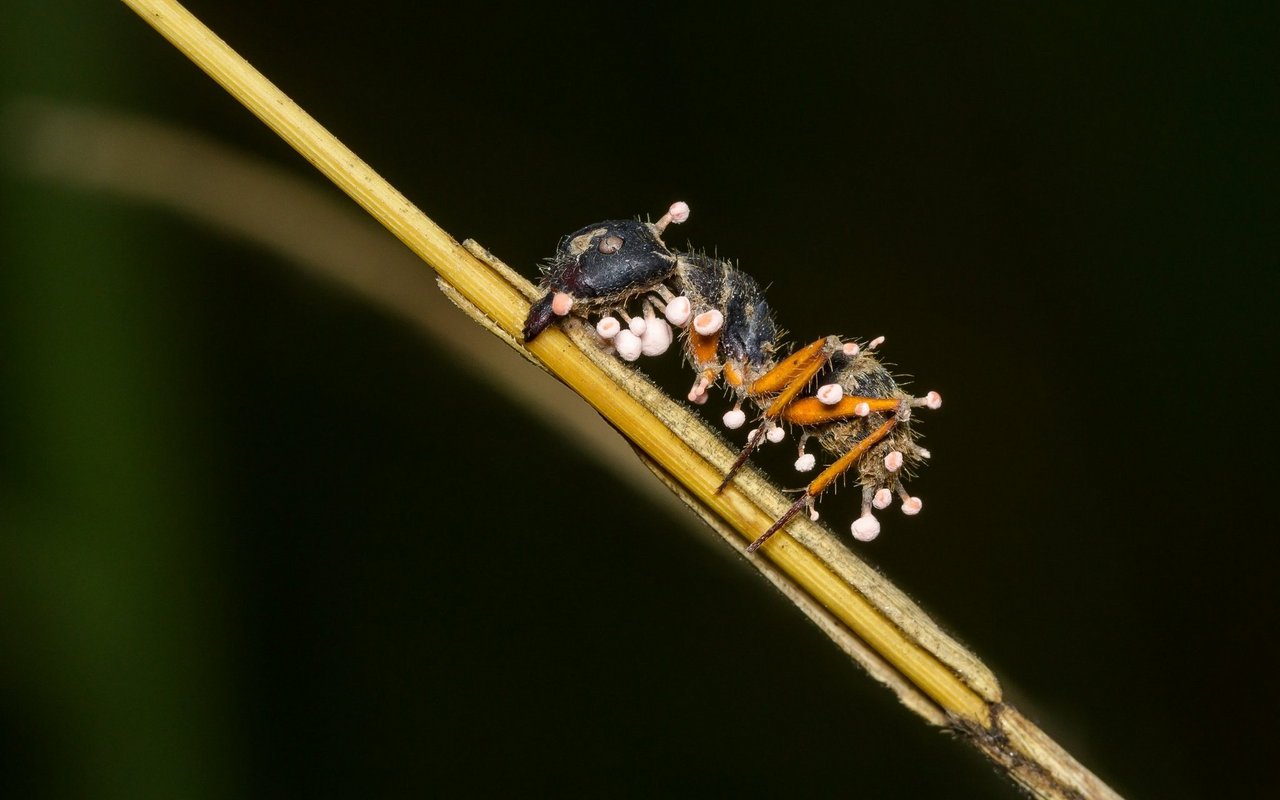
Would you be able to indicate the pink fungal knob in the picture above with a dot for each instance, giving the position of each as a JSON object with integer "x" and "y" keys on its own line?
{"x": 708, "y": 322}
{"x": 561, "y": 303}
{"x": 628, "y": 345}
{"x": 830, "y": 394}
{"x": 608, "y": 328}
{"x": 893, "y": 461}
{"x": 805, "y": 463}
{"x": 911, "y": 506}
{"x": 656, "y": 338}
{"x": 882, "y": 499}
{"x": 676, "y": 214}
{"x": 865, "y": 528}
{"x": 698, "y": 394}
{"x": 678, "y": 311}
{"x": 734, "y": 419}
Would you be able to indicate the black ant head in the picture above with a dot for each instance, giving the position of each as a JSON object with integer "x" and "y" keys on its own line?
{"x": 602, "y": 266}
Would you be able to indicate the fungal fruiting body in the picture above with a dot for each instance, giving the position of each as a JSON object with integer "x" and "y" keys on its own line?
{"x": 858, "y": 413}
{"x": 731, "y": 334}
{"x": 604, "y": 266}
{"x": 837, "y": 393}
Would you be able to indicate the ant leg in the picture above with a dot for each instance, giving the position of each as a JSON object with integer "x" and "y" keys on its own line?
{"x": 796, "y": 507}
{"x": 828, "y": 405}
{"x": 788, "y": 379}
{"x": 772, "y": 433}
{"x": 704, "y": 345}
{"x": 790, "y": 376}
{"x": 753, "y": 441}
{"x": 820, "y": 483}
{"x": 698, "y": 394}
{"x": 815, "y": 411}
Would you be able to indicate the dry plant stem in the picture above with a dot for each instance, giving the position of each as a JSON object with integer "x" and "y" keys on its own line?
{"x": 953, "y": 679}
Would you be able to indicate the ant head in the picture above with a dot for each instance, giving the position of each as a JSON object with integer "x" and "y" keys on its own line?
{"x": 604, "y": 265}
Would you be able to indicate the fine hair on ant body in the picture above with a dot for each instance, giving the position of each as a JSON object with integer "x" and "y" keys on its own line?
{"x": 858, "y": 412}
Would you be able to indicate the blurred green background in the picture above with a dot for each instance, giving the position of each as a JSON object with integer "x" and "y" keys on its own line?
{"x": 259, "y": 539}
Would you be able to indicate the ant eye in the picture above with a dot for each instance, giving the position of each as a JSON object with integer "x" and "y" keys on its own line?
{"x": 610, "y": 245}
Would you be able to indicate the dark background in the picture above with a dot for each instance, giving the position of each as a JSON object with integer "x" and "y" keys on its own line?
{"x": 260, "y": 540}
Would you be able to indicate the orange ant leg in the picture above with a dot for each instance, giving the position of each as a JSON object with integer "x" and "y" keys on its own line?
{"x": 820, "y": 483}
{"x": 704, "y": 340}
{"x": 788, "y": 379}
{"x": 791, "y": 376}
{"x": 816, "y": 410}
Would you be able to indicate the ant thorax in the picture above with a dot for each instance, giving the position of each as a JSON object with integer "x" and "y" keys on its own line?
{"x": 732, "y": 335}
{"x": 833, "y": 391}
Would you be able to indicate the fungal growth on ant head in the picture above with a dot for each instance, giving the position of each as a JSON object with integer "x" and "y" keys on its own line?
{"x": 857, "y": 413}
{"x": 602, "y": 267}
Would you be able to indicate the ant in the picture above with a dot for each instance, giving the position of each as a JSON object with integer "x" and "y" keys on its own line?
{"x": 858, "y": 413}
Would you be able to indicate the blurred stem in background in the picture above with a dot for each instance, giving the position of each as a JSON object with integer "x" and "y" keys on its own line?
{"x": 107, "y": 571}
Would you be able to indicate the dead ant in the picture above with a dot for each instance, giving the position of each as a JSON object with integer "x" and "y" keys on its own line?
{"x": 858, "y": 412}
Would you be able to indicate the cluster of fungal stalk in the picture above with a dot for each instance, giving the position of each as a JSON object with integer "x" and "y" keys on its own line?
{"x": 856, "y": 411}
